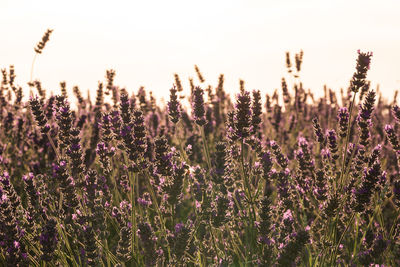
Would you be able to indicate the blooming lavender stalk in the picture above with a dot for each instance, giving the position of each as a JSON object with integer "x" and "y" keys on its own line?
{"x": 90, "y": 188}
{"x": 124, "y": 244}
{"x": 139, "y": 132}
{"x": 374, "y": 251}
{"x": 318, "y": 131}
{"x": 284, "y": 189}
{"x": 242, "y": 115}
{"x": 124, "y": 109}
{"x": 49, "y": 240}
{"x": 396, "y": 193}
{"x": 174, "y": 107}
{"x": 126, "y": 129}
{"x": 110, "y": 75}
{"x": 199, "y": 75}
{"x": 280, "y": 158}
{"x": 396, "y": 112}
{"x": 78, "y": 95}
{"x": 363, "y": 193}
{"x": 220, "y": 210}
{"x": 64, "y": 121}
{"x": 198, "y": 185}
{"x": 266, "y": 219}
{"x": 330, "y": 206}
{"x": 264, "y": 233}
{"x": 392, "y": 137}
{"x": 148, "y": 243}
{"x": 363, "y": 64}
{"x": 220, "y": 163}
{"x": 75, "y": 153}
{"x": 107, "y": 133}
{"x": 163, "y": 162}
{"x": 172, "y": 187}
{"x": 37, "y": 110}
{"x": 343, "y": 117}
{"x": 320, "y": 188}
{"x": 289, "y": 254}
{"x": 143, "y": 103}
{"x": 256, "y": 111}
{"x": 364, "y": 118}
{"x": 67, "y": 185}
{"x": 10, "y": 235}
{"x": 105, "y": 154}
{"x": 332, "y": 142}
{"x": 36, "y": 212}
{"x": 179, "y": 241}
{"x": 198, "y": 110}
{"x": 8, "y": 188}
{"x": 116, "y": 124}
{"x": 91, "y": 249}
{"x": 45, "y": 38}
{"x": 49, "y": 107}
{"x": 209, "y": 126}
{"x": 285, "y": 92}
{"x": 277, "y": 117}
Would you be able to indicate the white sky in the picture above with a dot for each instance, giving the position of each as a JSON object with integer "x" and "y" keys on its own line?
{"x": 147, "y": 41}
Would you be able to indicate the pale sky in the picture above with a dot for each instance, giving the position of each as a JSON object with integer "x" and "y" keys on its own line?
{"x": 146, "y": 41}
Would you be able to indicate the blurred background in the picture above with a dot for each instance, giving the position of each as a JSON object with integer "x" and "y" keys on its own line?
{"x": 146, "y": 42}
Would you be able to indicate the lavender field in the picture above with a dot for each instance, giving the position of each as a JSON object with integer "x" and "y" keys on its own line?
{"x": 209, "y": 179}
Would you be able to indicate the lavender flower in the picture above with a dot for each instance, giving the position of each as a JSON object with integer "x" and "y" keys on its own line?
{"x": 220, "y": 163}
{"x": 363, "y": 64}
{"x": 67, "y": 186}
{"x": 41, "y": 45}
{"x": 198, "y": 110}
{"x": 64, "y": 121}
{"x": 363, "y": 193}
{"x": 172, "y": 187}
{"x": 37, "y": 110}
{"x": 332, "y": 142}
{"x": 392, "y": 137}
{"x": 242, "y": 115}
{"x": 174, "y": 107}
{"x": 256, "y": 111}
{"x": 148, "y": 243}
{"x": 139, "y": 132}
{"x": 280, "y": 158}
{"x": 396, "y": 112}
{"x": 318, "y": 131}
{"x": 91, "y": 250}
{"x": 124, "y": 244}
{"x": 49, "y": 240}
{"x": 220, "y": 211}
{"x": 290, "y": 252}
{"x": 364, "y": 118}
{"x": 179, "y": 241}
{"x": 343, "y": 117}
{"x": 75, "y": 153}
{"x": 163, "y": 161}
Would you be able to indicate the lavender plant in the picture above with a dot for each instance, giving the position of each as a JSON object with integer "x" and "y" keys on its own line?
{"x": 128, "y": 182}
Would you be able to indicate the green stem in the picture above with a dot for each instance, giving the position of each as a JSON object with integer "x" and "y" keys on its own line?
{"x": 394, "y": 225}
{"x": 205, "y": 147}
{"x": 249, "y": 194}
{"x": 213, "y": 240}
{"x": 347, "y": 138}
{"x": 341, "y": 237}
{"x": 133, "y": 209}
{"x": 157, "y": 208}
{"x": 53, "y": 146}
{"x": 33, "y": 63}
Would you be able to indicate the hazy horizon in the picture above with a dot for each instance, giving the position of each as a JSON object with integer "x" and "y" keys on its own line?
{"x": 147, "y": 42}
